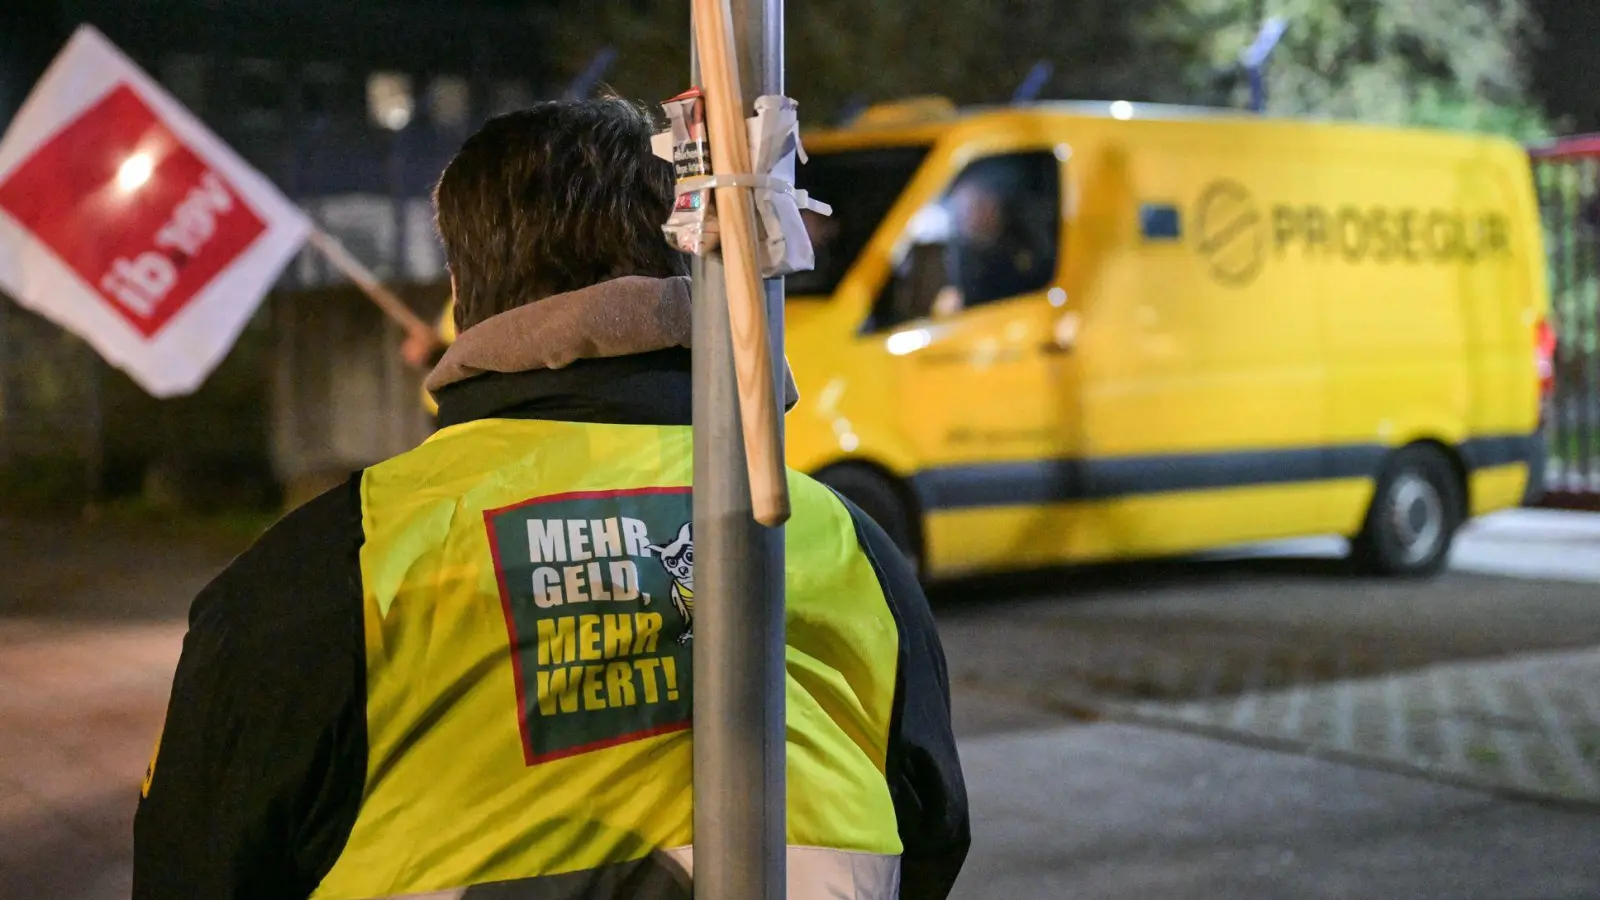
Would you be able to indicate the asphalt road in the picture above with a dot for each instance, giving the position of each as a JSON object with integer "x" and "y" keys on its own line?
{"x": 1254, "y": 728}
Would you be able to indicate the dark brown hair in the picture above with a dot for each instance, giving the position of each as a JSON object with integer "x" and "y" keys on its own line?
{"x": 550, "y": 199}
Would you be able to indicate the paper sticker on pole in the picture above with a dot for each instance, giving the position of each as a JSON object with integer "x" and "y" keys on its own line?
{"x": 124, "y": 220}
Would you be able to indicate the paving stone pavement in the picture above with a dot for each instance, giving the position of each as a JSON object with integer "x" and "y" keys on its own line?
{"x": 80, "y": 704}
{"x": 1531, "y": 724}
{"x": 1482, "y": 680}
{"x": 1470, "y": 678}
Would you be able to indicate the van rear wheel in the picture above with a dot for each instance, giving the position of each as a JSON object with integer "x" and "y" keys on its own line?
{"x": 1416, "y": 510}
{"x": 878, "y": 497}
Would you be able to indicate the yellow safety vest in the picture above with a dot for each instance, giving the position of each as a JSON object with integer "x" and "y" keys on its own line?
{"x": 529, "y": 678}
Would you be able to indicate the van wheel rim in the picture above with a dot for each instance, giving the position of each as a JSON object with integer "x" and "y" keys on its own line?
{"x": 1417, "y": 516}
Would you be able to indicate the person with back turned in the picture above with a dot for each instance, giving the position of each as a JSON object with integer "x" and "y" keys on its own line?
{"x": 467, "y": 672}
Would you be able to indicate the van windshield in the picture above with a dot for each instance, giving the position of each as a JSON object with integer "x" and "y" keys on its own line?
{"x": 861, "y": 186}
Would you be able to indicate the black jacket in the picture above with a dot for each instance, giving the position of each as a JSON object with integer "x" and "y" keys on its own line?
{"x": 263, "y": 756}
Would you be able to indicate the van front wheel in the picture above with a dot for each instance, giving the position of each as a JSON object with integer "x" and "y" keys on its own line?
{"x": 1416, "y": 510}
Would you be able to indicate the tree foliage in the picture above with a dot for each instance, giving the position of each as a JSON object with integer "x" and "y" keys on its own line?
{"x": 1448, "y": 63}
{"x": 1451, "y": 63}
{"x": 844, "y": 51}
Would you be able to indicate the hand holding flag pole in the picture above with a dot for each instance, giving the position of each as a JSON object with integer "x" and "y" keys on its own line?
{"x": 367, "y": 281}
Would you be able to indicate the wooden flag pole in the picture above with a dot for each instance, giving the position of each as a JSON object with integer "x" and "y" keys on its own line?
{"x": 752, "y": 354}
{"x": 367, "y": 281}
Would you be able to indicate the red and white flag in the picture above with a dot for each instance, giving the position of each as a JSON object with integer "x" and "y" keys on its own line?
{"x": 126, "y": 221}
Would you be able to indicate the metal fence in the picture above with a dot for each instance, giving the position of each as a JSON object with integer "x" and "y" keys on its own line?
{"x": 1567, "y": 175}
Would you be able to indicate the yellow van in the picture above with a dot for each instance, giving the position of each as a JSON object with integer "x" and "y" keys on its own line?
{"x": 1072, "y": 332}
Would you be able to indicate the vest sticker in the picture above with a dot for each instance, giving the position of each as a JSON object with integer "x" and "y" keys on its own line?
{"x": 150, "y": 768}
{"x": 597, "y": 589}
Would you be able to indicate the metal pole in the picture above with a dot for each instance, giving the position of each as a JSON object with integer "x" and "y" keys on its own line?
{"x": 1254, "y": 59}
{"x": 739, "y": 750}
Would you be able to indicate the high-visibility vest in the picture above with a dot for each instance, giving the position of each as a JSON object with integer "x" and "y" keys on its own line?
{"x": 528, "y": 594}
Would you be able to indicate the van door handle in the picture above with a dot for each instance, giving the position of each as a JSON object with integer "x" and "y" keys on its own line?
{"x": 1054, "y": 348}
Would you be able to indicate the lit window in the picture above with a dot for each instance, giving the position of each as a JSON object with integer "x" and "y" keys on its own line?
{"x": 449, "y": 101}
{"x": 510, "y": 96}
{"x": 389, "y": 100}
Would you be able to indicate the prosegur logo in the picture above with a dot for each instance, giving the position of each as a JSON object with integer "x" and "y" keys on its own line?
{"x": 1231, "y": 232}
{"x": 1236, "y": 236}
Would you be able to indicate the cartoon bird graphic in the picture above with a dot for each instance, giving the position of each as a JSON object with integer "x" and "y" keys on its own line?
{"x": 678, "y": 559}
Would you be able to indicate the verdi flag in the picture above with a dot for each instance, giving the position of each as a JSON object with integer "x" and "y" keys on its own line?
{"x": 126, "y": 221}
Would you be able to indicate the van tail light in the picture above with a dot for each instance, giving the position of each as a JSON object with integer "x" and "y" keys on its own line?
{"x": 1544, "y": 357}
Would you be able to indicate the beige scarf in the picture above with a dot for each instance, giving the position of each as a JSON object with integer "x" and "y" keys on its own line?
{"x": 620, "y": 317}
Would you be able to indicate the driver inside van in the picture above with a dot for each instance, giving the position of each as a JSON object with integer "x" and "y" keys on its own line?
{"x": 990, "y": 255}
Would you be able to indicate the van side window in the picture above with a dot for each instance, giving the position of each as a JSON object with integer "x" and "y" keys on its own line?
{"x": 861, "y": 186}
{"x": 992, "y": 236}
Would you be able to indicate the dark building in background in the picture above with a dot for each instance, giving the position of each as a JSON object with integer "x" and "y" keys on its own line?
{"x": 27, "y": 40}
{"x": 351, "y": 106}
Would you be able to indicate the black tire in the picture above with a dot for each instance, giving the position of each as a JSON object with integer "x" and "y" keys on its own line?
{"x": 878, "y": 497}
{"x": 1418, "y": 506}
